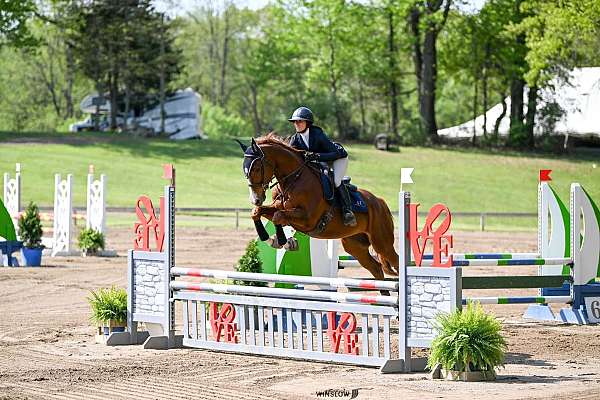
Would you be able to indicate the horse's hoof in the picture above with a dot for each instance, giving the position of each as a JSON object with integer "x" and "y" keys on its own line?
{"x": 274, "y": 243}
{"x": 291, "y": 245}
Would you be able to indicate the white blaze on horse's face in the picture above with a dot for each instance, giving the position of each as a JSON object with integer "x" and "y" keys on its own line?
{"x": 257, "y": 191}
{"x": 257, "y": 198}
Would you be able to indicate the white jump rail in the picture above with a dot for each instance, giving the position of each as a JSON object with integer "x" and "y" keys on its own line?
{"x": 302, "y": 280}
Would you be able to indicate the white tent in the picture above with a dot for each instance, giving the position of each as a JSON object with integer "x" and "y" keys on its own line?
{"x": 579, "y": 98}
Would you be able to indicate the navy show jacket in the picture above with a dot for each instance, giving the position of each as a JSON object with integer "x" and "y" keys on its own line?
{"x": 318, "y": 142}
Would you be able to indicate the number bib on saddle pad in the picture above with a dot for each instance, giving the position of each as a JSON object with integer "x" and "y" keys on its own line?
{"x": 358, "y": 203}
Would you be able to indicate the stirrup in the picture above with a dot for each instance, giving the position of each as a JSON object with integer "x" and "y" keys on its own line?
{"x": 349, "y": 218}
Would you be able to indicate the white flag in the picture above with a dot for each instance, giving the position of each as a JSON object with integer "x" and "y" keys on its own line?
{"x": 405, "y": 175}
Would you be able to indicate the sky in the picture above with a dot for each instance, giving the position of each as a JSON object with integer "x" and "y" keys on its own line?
{"x": 181, "y": 7}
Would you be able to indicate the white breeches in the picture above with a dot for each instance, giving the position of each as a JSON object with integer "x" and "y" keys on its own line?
{"x": 340, "y": 166}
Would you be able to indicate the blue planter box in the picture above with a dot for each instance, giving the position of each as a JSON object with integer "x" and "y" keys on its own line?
{"x": 7, "y": 248}
{"x": 31, "y": 257}
{"x": 107, "y": 330}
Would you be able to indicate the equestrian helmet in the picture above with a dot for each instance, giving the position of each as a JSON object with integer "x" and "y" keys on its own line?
{"x": 302, "y": 114}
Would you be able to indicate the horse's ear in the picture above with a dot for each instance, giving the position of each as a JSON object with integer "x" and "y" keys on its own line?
{"x": 242, "y": 145}
{"x": 256, "y": 148}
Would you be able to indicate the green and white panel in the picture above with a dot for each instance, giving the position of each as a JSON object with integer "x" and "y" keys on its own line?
{"x": 553, "y": 230}
{"x": 315, "y": 257}
{"x": 586, "y": 236}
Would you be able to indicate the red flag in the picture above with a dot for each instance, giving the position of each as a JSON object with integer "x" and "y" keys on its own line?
{"x": 545, "y": 175}
{"x": 168, "y": 171}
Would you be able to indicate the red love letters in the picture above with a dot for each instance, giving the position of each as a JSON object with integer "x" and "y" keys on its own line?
{"x": 418, "y": 239}
{"x": 148, "y": 221}
{"x": 223, "y": 319}
{"x": 337, "y": 333}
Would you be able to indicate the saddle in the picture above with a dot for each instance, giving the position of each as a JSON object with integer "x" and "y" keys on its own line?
{"x": 330, "y": 194}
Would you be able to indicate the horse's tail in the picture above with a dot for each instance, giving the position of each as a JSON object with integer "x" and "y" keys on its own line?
{"x": 389, "y": 265}
{"x": 385, "y": 229}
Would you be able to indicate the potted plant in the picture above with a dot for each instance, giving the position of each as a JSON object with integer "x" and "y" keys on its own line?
{"x": 109, "y": 311}
{"x": 250, "y": 262}
{"x": 30, "y": 232}
{"x": 468, "y": 346}
{"x": 90, "y": 241}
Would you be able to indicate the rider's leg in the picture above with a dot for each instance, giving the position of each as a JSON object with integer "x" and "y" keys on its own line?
{"x": 340, "y": 166}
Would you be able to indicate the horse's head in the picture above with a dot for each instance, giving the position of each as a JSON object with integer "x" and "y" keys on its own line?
{"x": 258, "y": 170}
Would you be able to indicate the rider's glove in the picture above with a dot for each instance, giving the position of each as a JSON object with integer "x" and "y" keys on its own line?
{"x": 310, "y": 156}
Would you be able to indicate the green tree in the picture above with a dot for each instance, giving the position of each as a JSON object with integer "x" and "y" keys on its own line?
{"x": 263, "y": 76}
{"x": 478, "y": 50}
{"x": 559, "y": 35}
{"x": 126, "y": 49}
{"x": 41, "y": 78}
{"x": 210, "y": 41}
{"x": 426, "y": 19}
{"x": 14, "y": 16}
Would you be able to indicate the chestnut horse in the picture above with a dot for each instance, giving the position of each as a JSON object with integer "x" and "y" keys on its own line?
{"x": 298, "y": 201}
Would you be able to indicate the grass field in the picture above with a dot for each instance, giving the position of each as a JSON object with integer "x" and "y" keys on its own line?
{"x": 209, "y": 172}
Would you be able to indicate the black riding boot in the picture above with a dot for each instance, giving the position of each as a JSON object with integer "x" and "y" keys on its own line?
{"x": 347, "y": 214}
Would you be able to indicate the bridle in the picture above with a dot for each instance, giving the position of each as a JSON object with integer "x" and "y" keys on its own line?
{"x": 264, "y": 184}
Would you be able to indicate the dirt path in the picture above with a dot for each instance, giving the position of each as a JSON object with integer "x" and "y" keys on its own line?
{"x": 47, "y": 349}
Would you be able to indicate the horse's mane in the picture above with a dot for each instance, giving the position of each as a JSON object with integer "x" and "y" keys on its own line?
{"x": 274, "y": 139}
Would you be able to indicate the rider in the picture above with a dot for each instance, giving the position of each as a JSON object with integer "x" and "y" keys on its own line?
{"x": 318, "y": 147}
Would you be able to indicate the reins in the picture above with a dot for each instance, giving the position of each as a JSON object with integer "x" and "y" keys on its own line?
{"x": 278, "y": 182}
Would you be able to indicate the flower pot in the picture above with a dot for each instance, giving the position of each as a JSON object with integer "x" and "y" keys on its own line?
{"x": 470, "y": 376}
{"x": 89, "y": 253}
{"x": 31, "y": 257}
{"x": 108, "y": 327}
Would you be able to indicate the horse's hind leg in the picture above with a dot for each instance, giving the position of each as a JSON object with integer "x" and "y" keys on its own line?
{"x": 358, "y": 246}
{"x": 384, "y": 247}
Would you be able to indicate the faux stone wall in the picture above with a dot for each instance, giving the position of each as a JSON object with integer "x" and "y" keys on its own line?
{"x": 427, "y": 296}
{"x": 149, "y": 294}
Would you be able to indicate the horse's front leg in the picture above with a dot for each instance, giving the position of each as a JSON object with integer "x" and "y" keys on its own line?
{"x": 279, "y": 240}
{"x": 293, "y": 216}
{"x": 264, "y": 211}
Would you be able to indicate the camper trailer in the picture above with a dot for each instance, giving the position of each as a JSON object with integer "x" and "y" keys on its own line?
{"x": 183, "y": 111}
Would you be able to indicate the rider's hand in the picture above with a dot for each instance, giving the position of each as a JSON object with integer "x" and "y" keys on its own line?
{"x": 310, "y": 156}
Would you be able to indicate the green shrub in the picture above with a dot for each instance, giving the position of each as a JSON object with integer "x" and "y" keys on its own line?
{"x": 218, "y": 124}
{"x": 250, "y": 262}
{"x": 468, "y": 340}
{"x": 30, "y": 227}
{"x": 90, "y": 240}
{"x": 108, "y": 304}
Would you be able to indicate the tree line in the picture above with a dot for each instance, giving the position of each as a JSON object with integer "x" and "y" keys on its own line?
{"x": 402, "y": 67}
